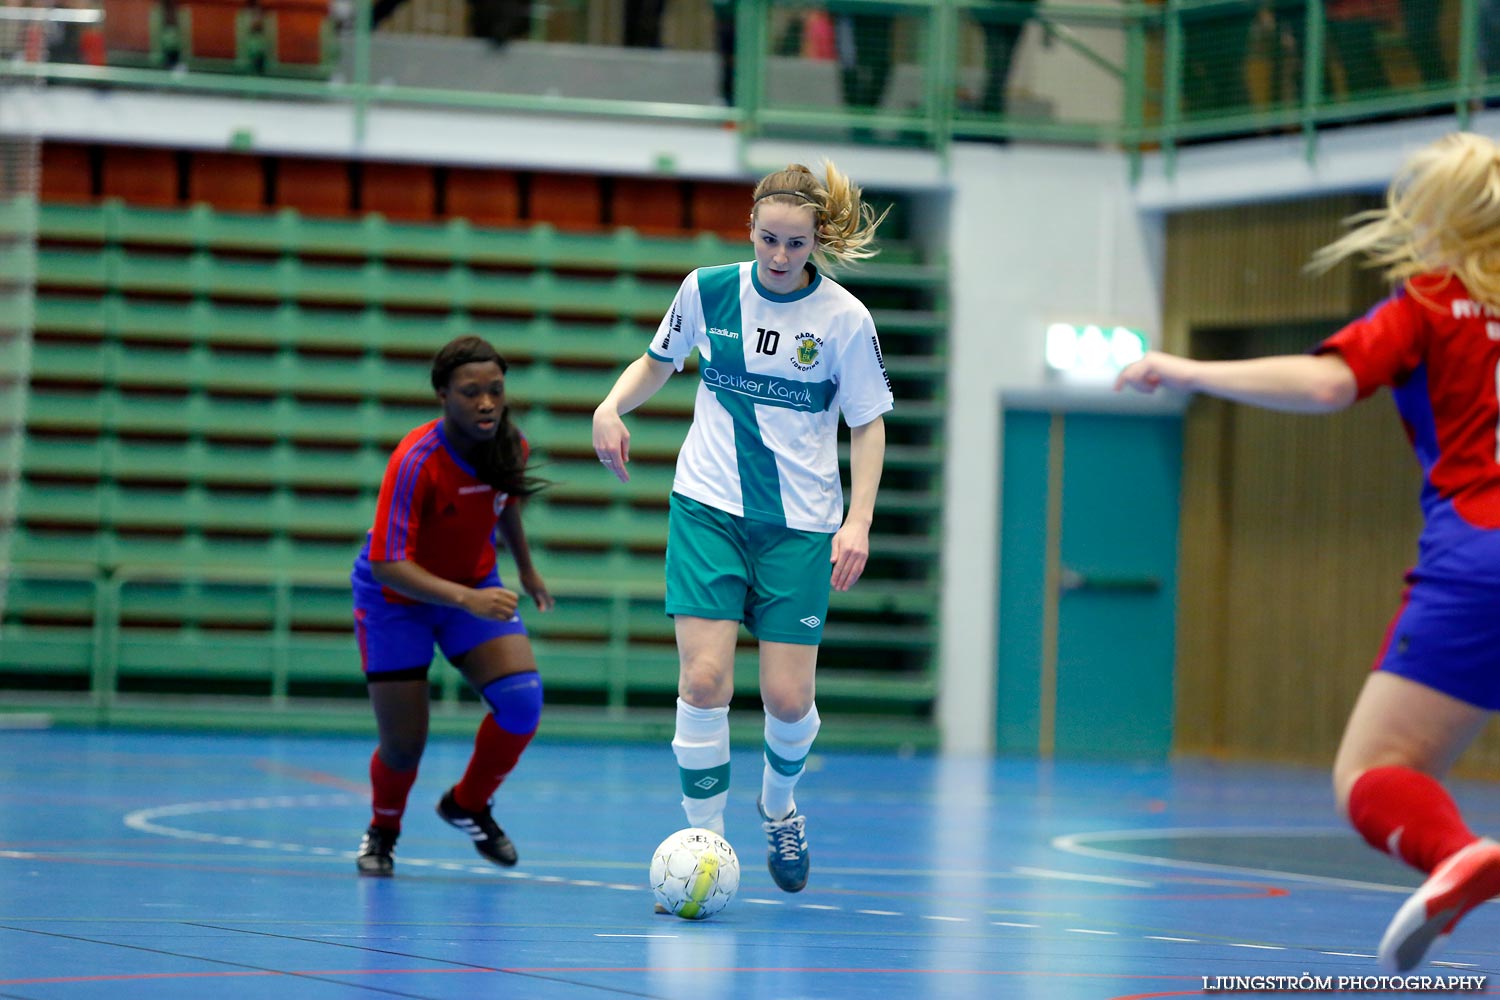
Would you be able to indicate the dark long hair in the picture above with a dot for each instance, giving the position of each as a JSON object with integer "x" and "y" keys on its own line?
{"x": 501, "y": 463}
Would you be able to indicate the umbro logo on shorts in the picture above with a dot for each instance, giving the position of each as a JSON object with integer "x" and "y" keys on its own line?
{"x": 812, "y": 621}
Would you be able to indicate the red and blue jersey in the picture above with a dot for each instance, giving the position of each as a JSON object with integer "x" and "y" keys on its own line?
{"x": 1438, "y": 349}
{"x": 433, "y": 510}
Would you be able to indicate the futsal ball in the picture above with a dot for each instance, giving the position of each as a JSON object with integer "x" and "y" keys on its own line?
{"x": 695, "y": 873}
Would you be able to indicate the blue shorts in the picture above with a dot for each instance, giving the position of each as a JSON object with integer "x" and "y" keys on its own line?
{"x": 401, "y": 636}
{"x": 1447, "y": 636}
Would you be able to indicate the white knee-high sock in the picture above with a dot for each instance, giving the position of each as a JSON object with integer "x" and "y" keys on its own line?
{"x": 701, "y": 744}
{"x": 787, "y": 744}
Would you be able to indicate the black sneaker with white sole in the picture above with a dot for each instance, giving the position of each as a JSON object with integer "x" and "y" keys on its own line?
{"x": 489, "y": 840}
{"x": 376, "y": 852}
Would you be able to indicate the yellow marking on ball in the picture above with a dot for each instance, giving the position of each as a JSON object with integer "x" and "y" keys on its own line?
{"x": 703, "y": 884}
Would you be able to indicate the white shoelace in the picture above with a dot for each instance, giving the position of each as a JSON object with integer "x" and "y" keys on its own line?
{"x": 788, "y": 834}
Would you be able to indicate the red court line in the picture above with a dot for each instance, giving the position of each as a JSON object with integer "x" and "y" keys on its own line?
{"x": 314, "y": 777}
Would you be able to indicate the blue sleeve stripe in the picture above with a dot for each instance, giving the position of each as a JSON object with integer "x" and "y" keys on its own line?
{"x": 399, "y": 516}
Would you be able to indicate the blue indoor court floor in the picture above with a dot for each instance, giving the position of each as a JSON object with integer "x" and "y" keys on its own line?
{"x": 171, "y": 865}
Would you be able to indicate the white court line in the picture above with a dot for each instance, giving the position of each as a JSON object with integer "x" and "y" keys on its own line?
{"x": 1077, "y": 843}
{"x": 147, "y": 821}
{"x": 636, "y": 935}
{"x": 25, "y": 720}
{"x": 1076, "y": 877}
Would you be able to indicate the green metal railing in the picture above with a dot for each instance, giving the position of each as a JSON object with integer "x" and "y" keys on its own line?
{"x": 1137, "y": 76}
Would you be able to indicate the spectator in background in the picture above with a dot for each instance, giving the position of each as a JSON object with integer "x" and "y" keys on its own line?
{"x": 1352, "y": 25}
{"x": 1421, "y": 24}
{"x": 810, "y": 35}
{"x": 865, "y": 58}
{"x": 1352, "y": 44}
{"x": 496, "y": 21}
{"x": 1489, "y": 38}
{"x": 643, "y": 23}
{"x": 1215, "y": 47}
{"x": 1002, "y": 32}
{"x": 724, "y": 14}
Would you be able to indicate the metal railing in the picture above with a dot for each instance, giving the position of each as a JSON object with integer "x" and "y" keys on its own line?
{"x": 1136, "y": 76}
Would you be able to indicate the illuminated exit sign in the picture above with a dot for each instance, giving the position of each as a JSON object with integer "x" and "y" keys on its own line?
{"x": 1092, "y": 350}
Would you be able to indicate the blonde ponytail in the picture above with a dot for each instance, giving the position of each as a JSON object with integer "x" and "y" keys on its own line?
{"x": 1441, "y": 214}
{"x": 845, "y": 225}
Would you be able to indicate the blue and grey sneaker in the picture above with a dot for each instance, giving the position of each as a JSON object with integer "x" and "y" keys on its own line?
{"x": 787, "y": 854}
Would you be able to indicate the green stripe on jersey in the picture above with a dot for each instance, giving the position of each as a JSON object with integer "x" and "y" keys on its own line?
{"x": 760, "y": 483}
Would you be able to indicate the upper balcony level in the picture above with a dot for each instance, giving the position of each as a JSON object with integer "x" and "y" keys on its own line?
{"x": 709, "y": 79}
{"x": 1316, "y": 95}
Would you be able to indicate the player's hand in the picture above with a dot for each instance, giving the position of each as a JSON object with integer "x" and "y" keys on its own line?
{"x": 851, "y": 551}
{"x": 536, "y": 589}
{"x": 495, "y": 603}
{"x": 612, "y": 442}
{"x": 1156, "y": 371}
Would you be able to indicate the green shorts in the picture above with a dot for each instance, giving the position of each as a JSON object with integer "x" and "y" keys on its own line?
{"x": 773, "y": 578}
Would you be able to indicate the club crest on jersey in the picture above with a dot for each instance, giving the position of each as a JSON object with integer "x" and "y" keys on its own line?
{"x": 808, "y": 348}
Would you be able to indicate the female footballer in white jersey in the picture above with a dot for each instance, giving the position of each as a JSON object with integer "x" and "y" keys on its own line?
{"x": 757, "y": 508}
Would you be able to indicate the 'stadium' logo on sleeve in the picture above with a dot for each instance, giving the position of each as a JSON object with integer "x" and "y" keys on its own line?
{"x": 674, "y": 325}
{"x": 807, "y": 355}
{"x": 880, "y": 360}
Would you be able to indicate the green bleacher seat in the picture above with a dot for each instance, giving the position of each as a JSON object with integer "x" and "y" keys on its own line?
{"x": 215, "y": 396}
{"x": 49, "y": 650}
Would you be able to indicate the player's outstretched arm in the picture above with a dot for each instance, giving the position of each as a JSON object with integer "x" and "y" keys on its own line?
{"x": 1296, "y": 383}
{"x": 637, "y": 383}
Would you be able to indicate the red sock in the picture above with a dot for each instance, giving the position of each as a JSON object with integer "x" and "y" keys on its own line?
{"x": 388, "y": 791}
{"x": 495, "y": 754}
{"x": 1397, "y": 802}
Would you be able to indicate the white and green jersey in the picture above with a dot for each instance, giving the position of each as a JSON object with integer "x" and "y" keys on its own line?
{"x": 775, "y": 370}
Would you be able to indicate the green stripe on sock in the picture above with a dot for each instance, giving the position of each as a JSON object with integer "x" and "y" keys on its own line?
{"x": 781, "y": 765}
{"x": 705, "y": 784}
